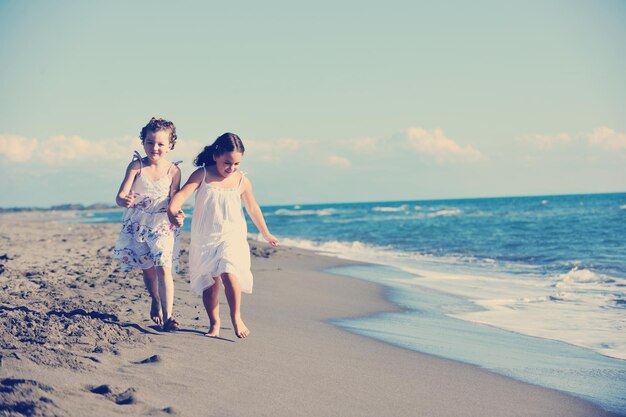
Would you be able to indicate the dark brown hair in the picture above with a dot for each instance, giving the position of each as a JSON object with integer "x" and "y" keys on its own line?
{"x": 228, "y": 142}
{"x": 156, "y": 125}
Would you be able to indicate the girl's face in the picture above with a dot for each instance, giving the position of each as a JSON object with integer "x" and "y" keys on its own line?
{"x": 227, "y": 163}
{"x": 157, "y": 144}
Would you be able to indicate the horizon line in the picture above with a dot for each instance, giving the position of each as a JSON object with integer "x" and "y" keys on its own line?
{"x": 113, "y": 206}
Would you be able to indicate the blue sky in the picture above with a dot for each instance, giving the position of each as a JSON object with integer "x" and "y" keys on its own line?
{"x": 335, "y": 101}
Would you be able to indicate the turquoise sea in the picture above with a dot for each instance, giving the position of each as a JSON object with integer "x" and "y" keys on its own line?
{"x": 530, "y": 287}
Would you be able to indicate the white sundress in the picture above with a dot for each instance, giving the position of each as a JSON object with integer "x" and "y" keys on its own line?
{"x": 219, "y": 237}
{"x": 147, "y": 237}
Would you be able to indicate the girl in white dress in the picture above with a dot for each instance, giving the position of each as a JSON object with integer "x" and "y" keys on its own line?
{"x": 148, "y": 239}
{"x": 219, "y": 248}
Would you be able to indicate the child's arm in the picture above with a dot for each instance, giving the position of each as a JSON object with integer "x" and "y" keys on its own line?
{"x": 124, "y": 198}
{"x": 255, "y": 213}
{"x": 174, "y": 210}
{"x": 175, "y": 187}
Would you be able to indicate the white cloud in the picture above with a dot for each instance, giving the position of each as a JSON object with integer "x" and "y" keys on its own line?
{"x": 17, "y": 148}
{"x": 186, "y": 151}
{"x": 273, "y": 150}
{"x": 366, "y": 144}
{"x": 60, "y": 149}
{"x": 545, "y": 142}
{"x": 339, "y": 161}
{"x": 607, "y": 138}
{"x": 601, "y": 137}
{"x": 432, "y": 143}
{"x": 436, "y": 144}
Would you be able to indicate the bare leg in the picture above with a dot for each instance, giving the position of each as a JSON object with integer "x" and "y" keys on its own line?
{"x": 151, "y": 281}
{"x": 210, "y": 299}
{"x": 166, "y": 293}
{"x": 233, "y": 296}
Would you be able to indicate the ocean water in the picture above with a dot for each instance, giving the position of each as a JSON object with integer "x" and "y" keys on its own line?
{"x": 530, "y": 287}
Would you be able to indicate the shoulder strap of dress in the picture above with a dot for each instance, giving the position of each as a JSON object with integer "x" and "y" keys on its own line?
{"x": 204, "y": 177}
{"x": 173, "y": 164}
{"x": 137, "y": 157}
{"x": 243, "y": 174}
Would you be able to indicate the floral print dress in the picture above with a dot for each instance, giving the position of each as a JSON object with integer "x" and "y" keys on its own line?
{"x": 148, "y": 238}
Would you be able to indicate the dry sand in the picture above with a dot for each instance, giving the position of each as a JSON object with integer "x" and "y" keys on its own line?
{"x": 76, "y": 340}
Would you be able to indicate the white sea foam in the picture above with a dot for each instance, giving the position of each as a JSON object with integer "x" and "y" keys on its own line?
{"x": 623, "y": 207}
{"x": 583, "y": 278}
{"x": 421, "y": 212}
{"x": 445, "y": 212}
{"x": 578, "y": 308}
{"x": 320, "y": 212}
{"x": 356, "y": 250}
{"x": 385, "y": 209}
{"x": 581, "y": 307}
{"x": 418, "y": 214}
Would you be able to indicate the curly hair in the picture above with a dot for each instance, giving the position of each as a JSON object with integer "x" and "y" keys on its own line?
{"x": 156, "y": 125}
{"x": 228, "y": 142}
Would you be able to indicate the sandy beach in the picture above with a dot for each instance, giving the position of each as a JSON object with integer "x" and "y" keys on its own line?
{"x": 76, "y": 340}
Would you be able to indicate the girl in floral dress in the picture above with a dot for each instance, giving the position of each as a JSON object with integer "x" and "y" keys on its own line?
{"x": 148, "y": 240}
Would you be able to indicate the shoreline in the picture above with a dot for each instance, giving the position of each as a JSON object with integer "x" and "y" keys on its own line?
{"x": 296, "y": 361}
{"x": 544, "y": 362}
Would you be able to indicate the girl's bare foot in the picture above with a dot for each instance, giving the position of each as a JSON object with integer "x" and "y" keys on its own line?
{"x": 171, "y": 325}
{"x": 214, "y": 330}
{"x": 155, "y": 312}
{"x": 240, "y": 328}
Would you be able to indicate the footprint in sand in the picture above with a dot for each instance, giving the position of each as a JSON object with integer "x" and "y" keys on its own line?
{"x": 101, "y": 389}
{"x": 127, "y": 397}
{"x": 151, "y": 359}
{"x": 26, "y": 397}
{"x": 124, "y": 398}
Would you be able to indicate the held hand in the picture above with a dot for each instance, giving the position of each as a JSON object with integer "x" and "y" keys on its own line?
{"x": 180, "y": 218}
{"x": 271, "y": 239}
{"x": 176, "y": 218}
{"x": 129, "y": 199}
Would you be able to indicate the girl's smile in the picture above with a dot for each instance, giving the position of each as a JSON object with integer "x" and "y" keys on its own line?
{"x": 227, "y": 163}
{"x": 221, "y": 226}
{"x": 157, "y": 145}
